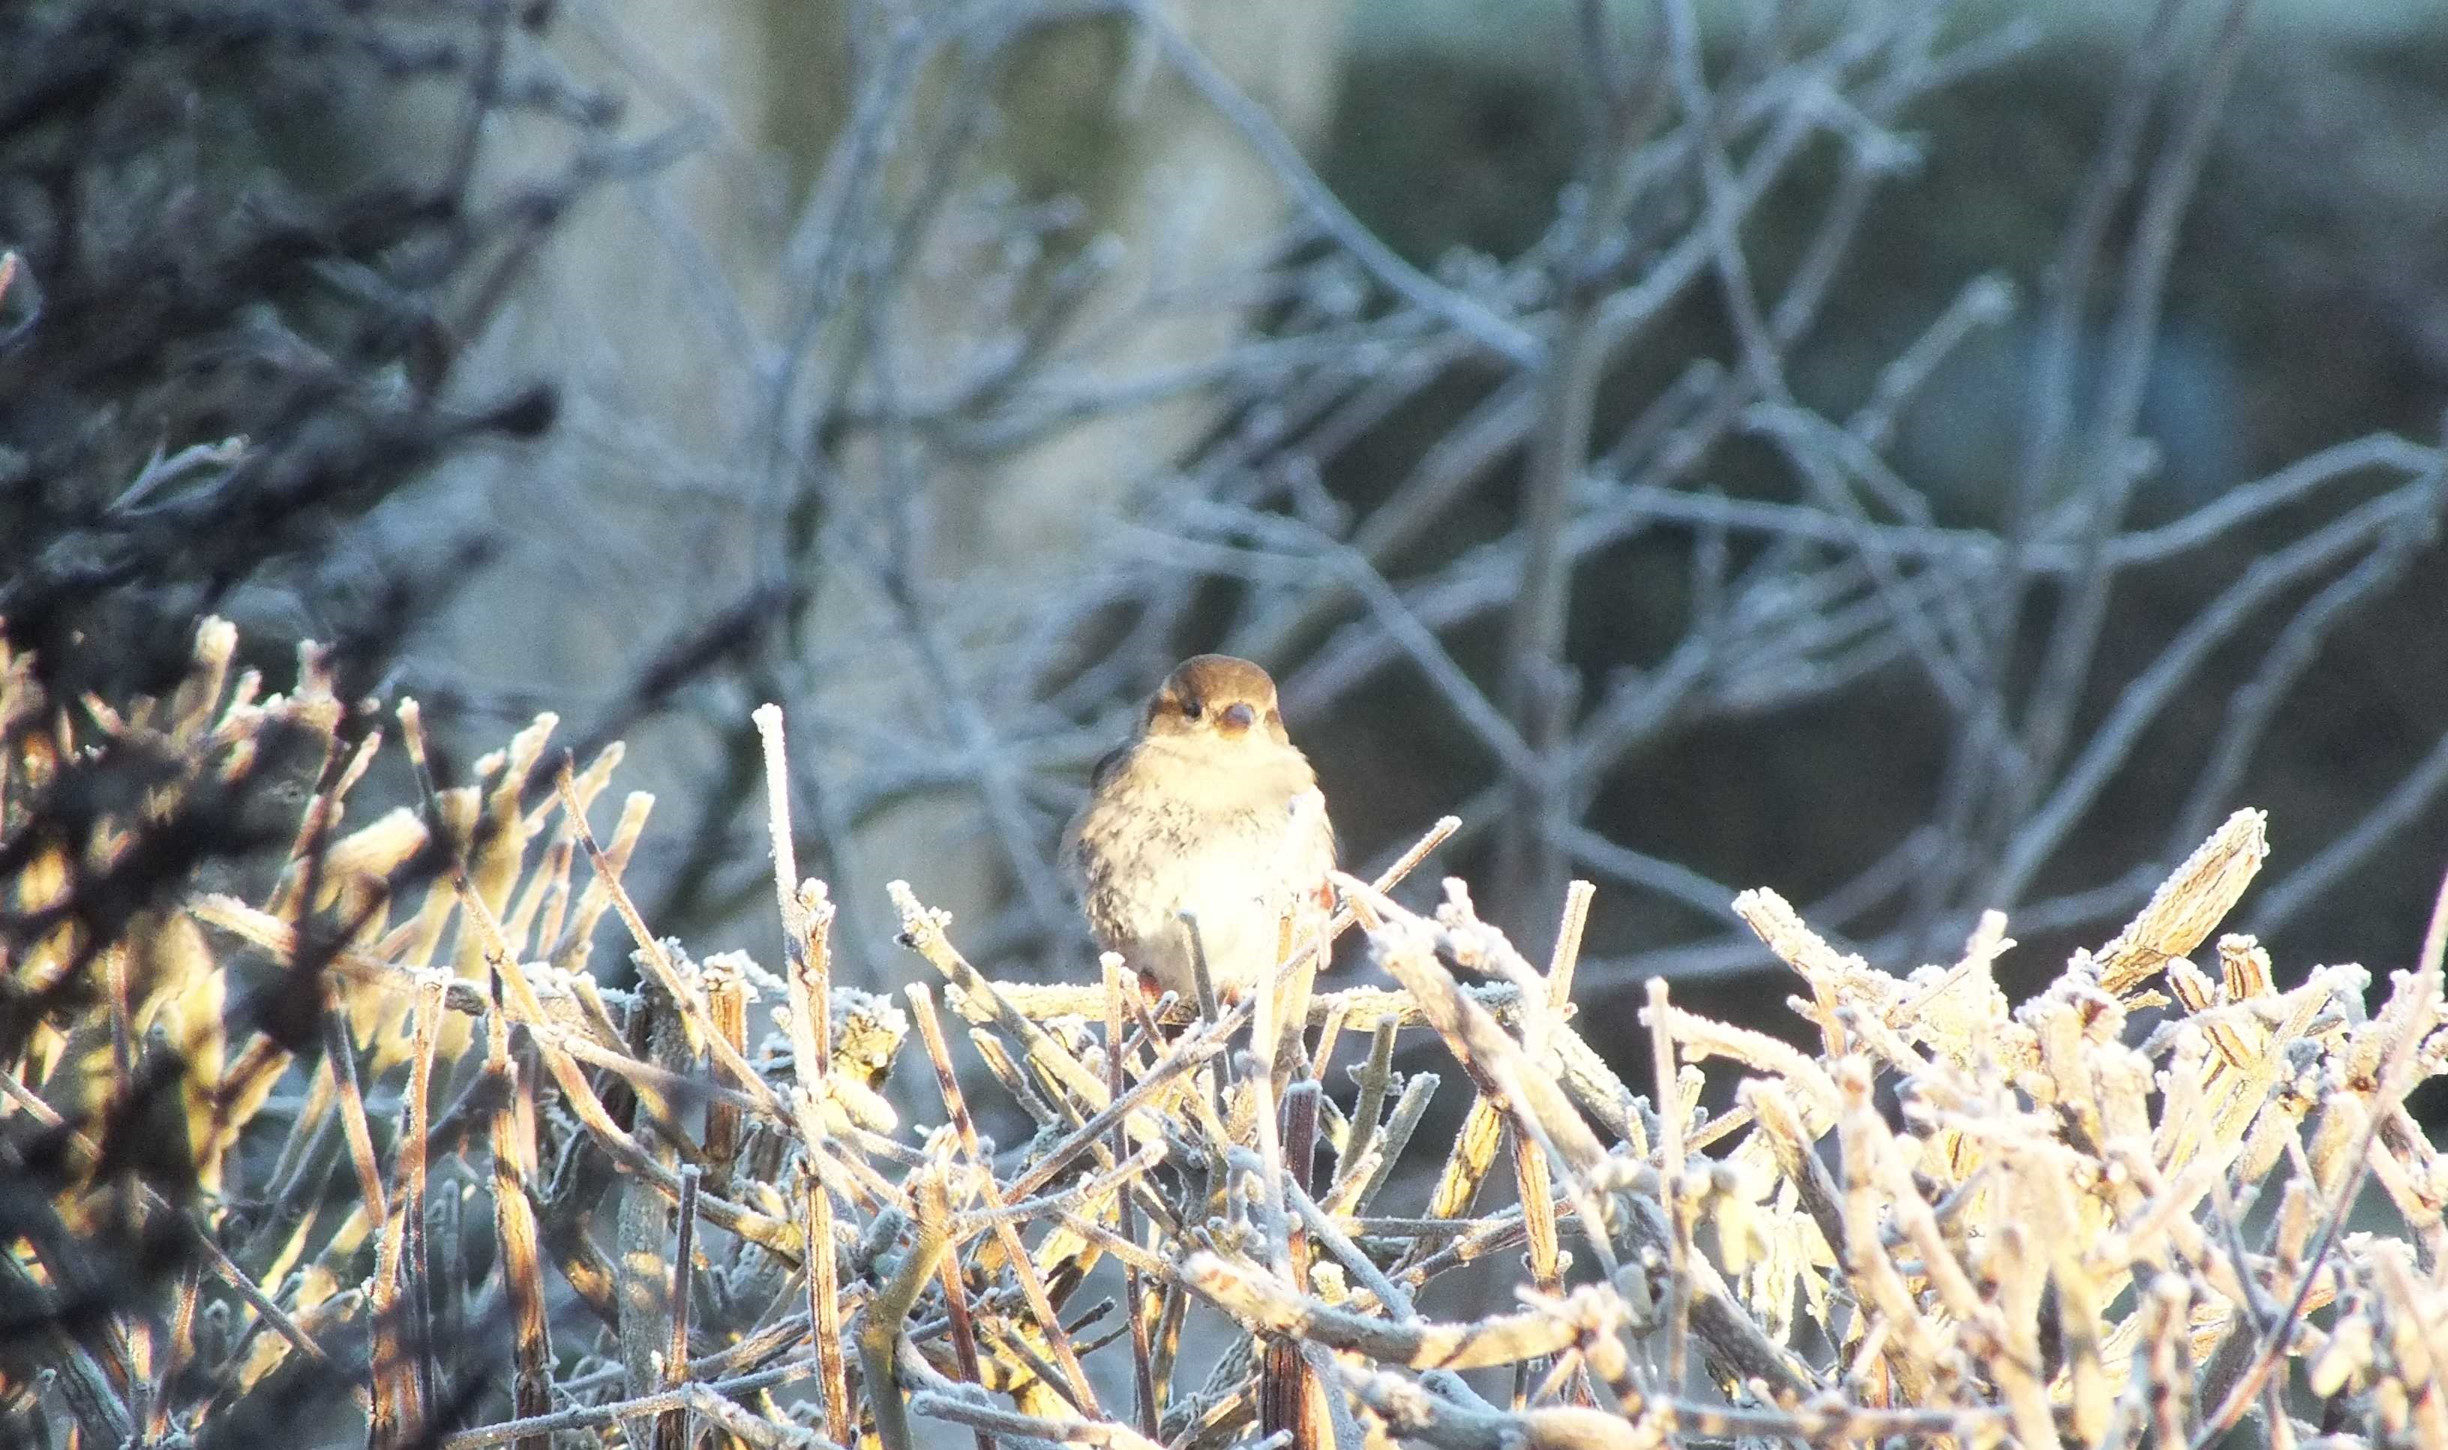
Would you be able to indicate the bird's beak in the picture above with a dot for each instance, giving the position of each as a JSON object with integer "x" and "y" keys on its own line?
{"x": 1238, "y": 718}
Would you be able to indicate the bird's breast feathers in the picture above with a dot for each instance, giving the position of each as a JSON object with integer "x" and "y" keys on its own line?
{"x": 1164, "y": 835}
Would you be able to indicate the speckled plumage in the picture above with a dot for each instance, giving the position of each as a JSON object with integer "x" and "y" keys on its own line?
{"x": 1207, "y": 809}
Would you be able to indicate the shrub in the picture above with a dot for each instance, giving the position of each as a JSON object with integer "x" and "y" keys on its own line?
{"x": 360, "y": 1144}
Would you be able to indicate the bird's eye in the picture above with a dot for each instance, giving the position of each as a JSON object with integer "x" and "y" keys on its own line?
{"x": 1190, "y": 709}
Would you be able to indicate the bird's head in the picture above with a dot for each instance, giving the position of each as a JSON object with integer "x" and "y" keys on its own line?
{"x": 1216, "y": 697}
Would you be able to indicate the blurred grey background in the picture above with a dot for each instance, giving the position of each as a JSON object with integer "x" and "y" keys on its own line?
{"x": 1916, "y": 457}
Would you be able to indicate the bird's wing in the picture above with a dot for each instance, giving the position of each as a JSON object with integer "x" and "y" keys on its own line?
{"x": 1313, "y": 802}
{"x": 1108, "y": 766}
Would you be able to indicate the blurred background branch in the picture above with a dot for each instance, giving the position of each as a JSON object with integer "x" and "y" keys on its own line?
{"x": 1754, "y": 472}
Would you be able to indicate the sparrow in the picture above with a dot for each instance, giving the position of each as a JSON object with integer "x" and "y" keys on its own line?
{"x": 1207, "y": 810}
